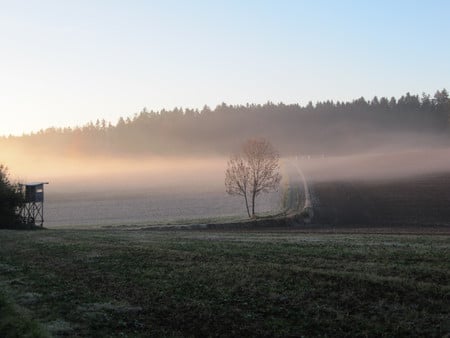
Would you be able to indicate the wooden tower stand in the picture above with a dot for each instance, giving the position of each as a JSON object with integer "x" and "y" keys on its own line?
{"x": 32, "y": 211}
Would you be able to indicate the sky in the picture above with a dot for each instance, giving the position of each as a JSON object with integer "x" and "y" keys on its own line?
{"x": 65, "y": 63}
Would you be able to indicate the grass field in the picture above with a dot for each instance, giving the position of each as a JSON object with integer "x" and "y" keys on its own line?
{"x": 186, "y": 283}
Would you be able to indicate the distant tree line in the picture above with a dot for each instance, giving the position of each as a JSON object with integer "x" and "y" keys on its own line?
{"x": 323, "y": 127}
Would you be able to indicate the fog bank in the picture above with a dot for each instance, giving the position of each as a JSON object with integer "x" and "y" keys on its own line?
{"x": 389, "y": 164}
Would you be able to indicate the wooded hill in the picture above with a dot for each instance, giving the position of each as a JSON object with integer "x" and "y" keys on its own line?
{"x": 321, "y": 128}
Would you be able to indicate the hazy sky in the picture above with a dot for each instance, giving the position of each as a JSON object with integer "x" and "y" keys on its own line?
{"x": 67, "y": 62}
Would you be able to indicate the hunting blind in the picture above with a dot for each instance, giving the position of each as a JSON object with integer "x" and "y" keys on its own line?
{"x": 32, "y": 211}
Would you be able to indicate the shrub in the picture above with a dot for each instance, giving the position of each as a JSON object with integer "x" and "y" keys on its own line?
{"x": 10, "y": 200}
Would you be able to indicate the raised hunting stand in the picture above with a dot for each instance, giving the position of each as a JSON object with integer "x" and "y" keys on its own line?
{"x": 32, "y": 211}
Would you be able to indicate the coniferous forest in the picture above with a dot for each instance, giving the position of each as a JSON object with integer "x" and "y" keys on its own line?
{"x": 321, "y": 128}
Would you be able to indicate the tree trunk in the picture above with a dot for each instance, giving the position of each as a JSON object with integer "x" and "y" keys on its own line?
{"x": 246, "y": 205}
{"x": 253, "y": 204}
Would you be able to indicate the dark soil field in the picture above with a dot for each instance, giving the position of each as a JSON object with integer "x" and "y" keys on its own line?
{"x": 139, "y": 283}
{"x": 422, "y": 200}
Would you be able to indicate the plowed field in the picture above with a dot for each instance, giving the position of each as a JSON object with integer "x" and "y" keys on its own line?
{"x": 423, "y": 200}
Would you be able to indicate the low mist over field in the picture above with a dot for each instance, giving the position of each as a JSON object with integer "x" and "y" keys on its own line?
{"x": 388, "y": 164}
{"x": 113, "y": 173}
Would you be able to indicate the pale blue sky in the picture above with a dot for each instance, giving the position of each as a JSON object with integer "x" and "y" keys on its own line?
{"x": 64, "y": 63}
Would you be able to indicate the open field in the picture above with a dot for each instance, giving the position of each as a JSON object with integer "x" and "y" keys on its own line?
{"x": 181, "y": 283}
{"x": 343, "y": 199}
{"x": 420, "y": 200}
{"x": 147, "y": 206}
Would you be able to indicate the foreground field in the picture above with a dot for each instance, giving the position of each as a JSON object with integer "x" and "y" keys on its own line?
{"x": 286, "y": 282}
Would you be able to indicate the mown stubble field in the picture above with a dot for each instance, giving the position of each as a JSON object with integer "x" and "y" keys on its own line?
{"x": 209, "y": 283}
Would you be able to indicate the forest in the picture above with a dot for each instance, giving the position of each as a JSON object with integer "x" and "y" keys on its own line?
{"x": 322, "y": 128}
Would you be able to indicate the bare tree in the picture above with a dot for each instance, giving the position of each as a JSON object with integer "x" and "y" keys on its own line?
{"x": 252, "y": 171}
